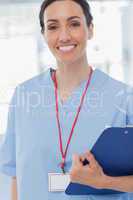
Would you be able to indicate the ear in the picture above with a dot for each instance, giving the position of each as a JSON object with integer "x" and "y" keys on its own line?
{"x": 90, "y": 31}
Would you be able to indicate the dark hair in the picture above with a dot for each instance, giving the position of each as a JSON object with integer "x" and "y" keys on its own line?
{"x": 83, "y": 3}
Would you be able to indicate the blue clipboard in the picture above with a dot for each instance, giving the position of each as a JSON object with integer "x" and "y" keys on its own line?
{"x": 114, "y": 152}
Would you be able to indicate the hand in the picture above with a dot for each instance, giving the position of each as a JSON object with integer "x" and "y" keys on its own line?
{"x": 91, "y": 174}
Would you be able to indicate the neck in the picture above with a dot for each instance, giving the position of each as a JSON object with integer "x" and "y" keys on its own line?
{"x": 71, "y": 75}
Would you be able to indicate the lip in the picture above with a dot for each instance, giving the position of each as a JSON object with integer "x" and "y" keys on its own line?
{"x": 67, "y": 51}
{"x": 66, "y": 46}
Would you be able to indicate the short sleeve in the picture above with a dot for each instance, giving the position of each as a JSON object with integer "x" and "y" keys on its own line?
{"x": 8, "y": 145}
{"x": 129, "y": 102}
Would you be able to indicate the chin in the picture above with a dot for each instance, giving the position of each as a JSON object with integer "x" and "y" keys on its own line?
{"x": 67, "y": 61}
{"x": 68, "y": 58}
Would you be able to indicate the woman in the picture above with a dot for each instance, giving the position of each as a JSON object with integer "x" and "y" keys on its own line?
{"x": 72, "y": 101}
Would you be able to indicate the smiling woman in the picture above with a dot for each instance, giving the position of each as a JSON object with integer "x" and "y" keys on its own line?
{"x": 64, "y": 111}
{"x": 67, "y": 33}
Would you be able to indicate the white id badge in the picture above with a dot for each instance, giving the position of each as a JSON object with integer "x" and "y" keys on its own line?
{"x": 58, "y": 182}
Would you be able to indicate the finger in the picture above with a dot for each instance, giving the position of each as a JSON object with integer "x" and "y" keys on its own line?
{"x": 90, "y": 157}
{"x": 82, "y": 157}
{"x": 76, "y": 160}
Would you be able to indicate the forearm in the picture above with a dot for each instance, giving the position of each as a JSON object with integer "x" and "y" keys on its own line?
{"x": 123, "y": 183}
{"x": 13, "y": 189}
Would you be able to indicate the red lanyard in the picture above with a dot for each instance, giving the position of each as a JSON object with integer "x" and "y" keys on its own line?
{"x": 62, "y": 164}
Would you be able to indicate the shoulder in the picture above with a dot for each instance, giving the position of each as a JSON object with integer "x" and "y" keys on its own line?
{"x": 113, "y": 91}
{"x": 111, "y": 83}
{"x": 36, "y": 82}
{"x": 32, "y": 91}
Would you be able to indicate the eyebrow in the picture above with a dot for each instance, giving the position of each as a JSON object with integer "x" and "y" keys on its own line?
{"x": 70, "y": 18}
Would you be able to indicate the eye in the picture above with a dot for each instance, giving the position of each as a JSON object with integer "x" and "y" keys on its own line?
{"x": 52, "y": 27}
{"x": 75, "y": 24}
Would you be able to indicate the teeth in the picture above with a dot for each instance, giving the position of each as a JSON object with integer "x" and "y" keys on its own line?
{"x": 66, "y": 48}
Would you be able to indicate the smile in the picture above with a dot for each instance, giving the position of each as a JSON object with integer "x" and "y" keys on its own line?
{"x": 66, "y": 48}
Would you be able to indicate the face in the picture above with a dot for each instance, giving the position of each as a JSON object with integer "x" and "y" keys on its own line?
{"x": 66, "y": 31}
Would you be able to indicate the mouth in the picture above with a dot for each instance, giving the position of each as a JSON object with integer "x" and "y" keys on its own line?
{"x": 67, "y": 48}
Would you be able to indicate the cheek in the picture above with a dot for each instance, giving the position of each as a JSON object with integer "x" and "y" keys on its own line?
{"x": 82, "y": 36}
{"x": 51, "y": 41}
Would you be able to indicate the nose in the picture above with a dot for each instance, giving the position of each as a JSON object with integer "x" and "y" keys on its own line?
{"x": 64, "y": 35}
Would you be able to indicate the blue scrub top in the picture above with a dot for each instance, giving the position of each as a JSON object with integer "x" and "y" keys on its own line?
{"x": 30, "y": 148}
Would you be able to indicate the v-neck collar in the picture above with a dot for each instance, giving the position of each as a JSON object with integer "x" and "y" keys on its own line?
{"x": 80, "y": 87}
{"x": 98, "y": 79}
